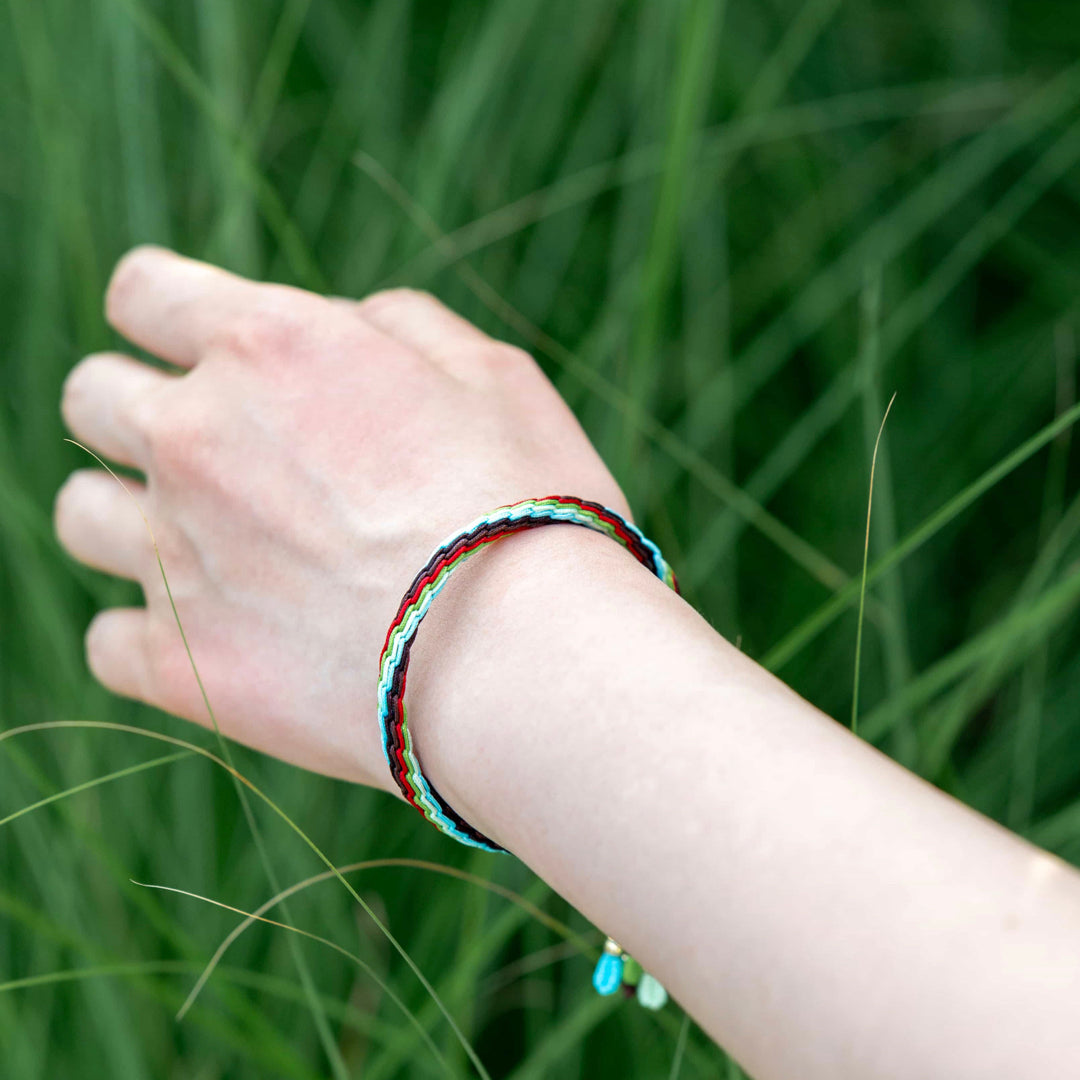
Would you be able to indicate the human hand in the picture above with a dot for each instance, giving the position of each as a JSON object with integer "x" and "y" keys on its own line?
{"x": 299, "y": 471}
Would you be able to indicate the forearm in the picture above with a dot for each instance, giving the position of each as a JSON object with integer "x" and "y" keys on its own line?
{"x": 819, "y": 910}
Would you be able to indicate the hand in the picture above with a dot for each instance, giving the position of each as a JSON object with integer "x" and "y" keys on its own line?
{"x": 299, "y": 471}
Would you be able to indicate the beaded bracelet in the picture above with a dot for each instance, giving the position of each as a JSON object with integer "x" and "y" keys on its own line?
{"x": 615, "y": 968}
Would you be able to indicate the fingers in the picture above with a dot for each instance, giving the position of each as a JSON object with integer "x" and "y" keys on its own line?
{"x": 137, "y": 656}
{"x": 98, "y": 524}
{"x": 101, "y": 404}
{"x": 118, "y": 652}
{"x": 174, "y": 307}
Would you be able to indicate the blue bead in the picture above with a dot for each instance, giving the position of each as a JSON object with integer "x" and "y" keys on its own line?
{"x": 607, "y": 976}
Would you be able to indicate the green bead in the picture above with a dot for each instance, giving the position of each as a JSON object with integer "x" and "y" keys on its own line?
{"x": 650, "y": 993}
{"x": 631, "y": 972}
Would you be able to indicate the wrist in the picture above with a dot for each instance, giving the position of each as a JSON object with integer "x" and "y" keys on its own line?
{"x": 507, "y": 655}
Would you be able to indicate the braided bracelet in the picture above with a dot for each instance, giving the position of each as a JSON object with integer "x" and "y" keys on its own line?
{"x": 615, "y": 968}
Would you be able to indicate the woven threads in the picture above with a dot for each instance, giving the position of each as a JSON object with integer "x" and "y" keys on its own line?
{"x": 447, "y": 557}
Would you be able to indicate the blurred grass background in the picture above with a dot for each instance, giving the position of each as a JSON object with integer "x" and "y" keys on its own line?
{"x": 730, "y": 231}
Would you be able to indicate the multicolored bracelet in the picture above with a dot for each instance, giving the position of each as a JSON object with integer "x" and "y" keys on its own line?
{"x": 614, "y": 969}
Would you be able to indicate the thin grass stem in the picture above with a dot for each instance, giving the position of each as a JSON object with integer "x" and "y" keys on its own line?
{"x": 862, "y": 582}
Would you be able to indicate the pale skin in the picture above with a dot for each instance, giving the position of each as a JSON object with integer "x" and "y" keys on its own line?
{"x": 817, "y": 909}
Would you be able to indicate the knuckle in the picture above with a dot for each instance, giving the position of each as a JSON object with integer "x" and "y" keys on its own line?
{"x": 165, "y": 667}
{"x": 273, "y": 330}
{"x": 514, "y": 355}
{"x": 387, "y": 300}
{"x": 499, "y": 358}
{"x": 142, "y": 412}
{"x": 177, "y": 434}
{"x": 175, "y": 552}
{"x": 243, "y": 336}
{"x": 158, "y": 644}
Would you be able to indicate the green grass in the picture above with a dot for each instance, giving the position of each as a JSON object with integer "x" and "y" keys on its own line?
{"x": 730, "y": 232}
